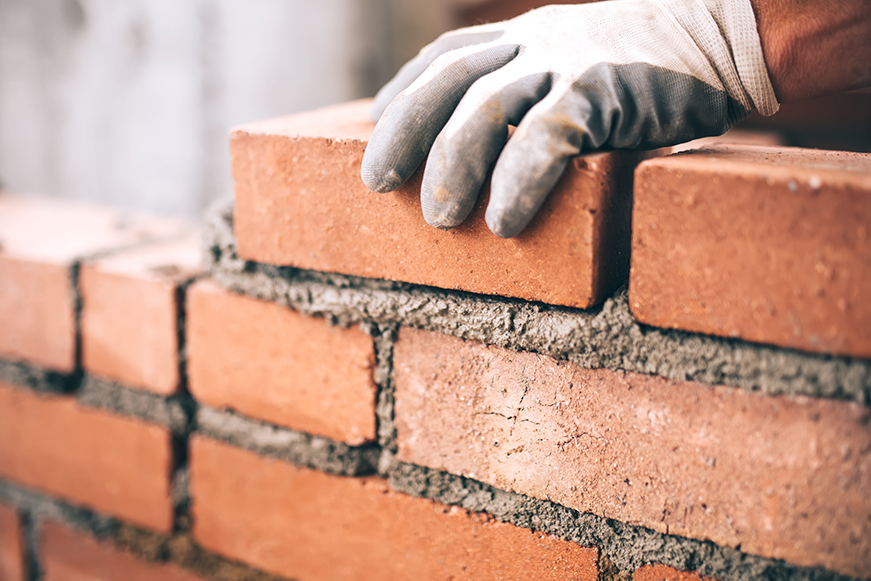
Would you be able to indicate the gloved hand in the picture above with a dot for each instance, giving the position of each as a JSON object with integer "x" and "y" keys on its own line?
{"x": 574, "y": 79}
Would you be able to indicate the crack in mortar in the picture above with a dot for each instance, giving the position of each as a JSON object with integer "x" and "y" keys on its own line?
{"x": 295, "y": 447}
{"x": 623, "y": 548}
{"x": 151, "y": 547}
{"x": 38, "y": 379}
{"x": 604, "y": 337}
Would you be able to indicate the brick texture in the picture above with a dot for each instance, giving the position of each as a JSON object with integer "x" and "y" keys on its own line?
{"x": 11, "y": 550}
{"x": 766, "y": 244}
{"x": 663, "y": 573}
{"x": 108, "y": 463}
{"x": 40, "y": 239}
{"x": 274, "y": 364}
{"x": 300, "y": 201}
{"x": 781, "y": 477}
{"x": 130, "y": 312}
{"x": 72, "y": 556}
{"x": 309, "y": 525}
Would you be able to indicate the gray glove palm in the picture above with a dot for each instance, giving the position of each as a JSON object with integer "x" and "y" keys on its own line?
{"x": 574, "y": 79}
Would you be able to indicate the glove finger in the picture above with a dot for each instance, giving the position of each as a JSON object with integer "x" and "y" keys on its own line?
{"x": 415, "y": 67}
{"x": 533, "y": 160}
{"x": 467, "y": 147}
{"x": 404, "y": 134}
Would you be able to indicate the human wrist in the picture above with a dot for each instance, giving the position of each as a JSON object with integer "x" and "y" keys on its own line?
{"x": 816, "y": 47}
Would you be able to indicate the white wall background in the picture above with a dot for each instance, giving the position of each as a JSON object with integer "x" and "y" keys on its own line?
{"x": 129, "y": 102}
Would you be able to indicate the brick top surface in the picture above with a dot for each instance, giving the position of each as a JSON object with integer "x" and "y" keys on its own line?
{"x": 788, "y": 161}
{"x": 58, "y": 231}
{"x": 173, "y": 260}
{"x": 349, "y": 121}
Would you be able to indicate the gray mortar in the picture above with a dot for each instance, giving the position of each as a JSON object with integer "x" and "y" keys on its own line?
{"x": 150, "y": 407}
{"x": 383, "y": 376}
{"x": 36, "y": 378}
{"x": 41, "y": 508}
{"x": 627, "y": 547}
{"x": 604, "y": 337}
{"x": 283, "y": 444}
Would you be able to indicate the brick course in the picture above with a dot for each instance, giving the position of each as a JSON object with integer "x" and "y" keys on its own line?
{"x": 308, "y": 525}
{"x": 108, "y": 463}
{"x": 765, "y": 244}
{"x": 72, "y": 556}
{"x": 274, "y": 364}
{"x": 40, "y": 240}
{"x": 11, "y": 550}
{"x": 682, "y": 458}
{"x": 130, "y": 312}
{"x": 300, "y": 202}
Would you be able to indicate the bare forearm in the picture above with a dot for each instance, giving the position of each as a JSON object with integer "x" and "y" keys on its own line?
{"x": 815, "y": 47}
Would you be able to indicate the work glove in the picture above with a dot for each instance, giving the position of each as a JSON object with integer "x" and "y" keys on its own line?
{"x": 622, "y": 74}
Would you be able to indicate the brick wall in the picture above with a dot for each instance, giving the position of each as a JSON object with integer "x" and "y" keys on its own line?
{"x": 326, "y": 388}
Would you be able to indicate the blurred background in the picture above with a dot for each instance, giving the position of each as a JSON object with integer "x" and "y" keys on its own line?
{"x": 129, "y": 103}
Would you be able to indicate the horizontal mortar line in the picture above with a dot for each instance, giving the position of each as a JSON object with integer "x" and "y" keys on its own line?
{"x": 38, "y": 379}
{"x": 47, "y": 507}
{"x": 103, "y": 394}
{"x": 587, "y": 335}
{"x": 101, "y": 527}
{"x": 763, "y": 378}
{"x": 365, "y": 285}
{"x": 614, "y": 538}
{"x": 93, "y": 392}
{"x": 295, "y": 447}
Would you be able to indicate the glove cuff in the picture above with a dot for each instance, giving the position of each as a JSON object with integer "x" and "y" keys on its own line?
{"x": 737, "y": 23}
{"x": 725, "y": 31}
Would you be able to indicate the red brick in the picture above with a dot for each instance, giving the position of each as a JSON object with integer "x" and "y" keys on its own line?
{"x": 130, "y": 312}
{"x": 108, "y": 463}
{"x": 300, "y": 201}
{"x": 782, "y": 477}
{"x": 11, "y": 549}
{"x": 36, "y": 307}
{"x": 72, "y": 556}
{"x": 274, "y": 364}
{"x": 40, "y": 238}
{"x": 765, "y": 244}
{"x": 663, "y": 573}
{"x": 309, "y": 525}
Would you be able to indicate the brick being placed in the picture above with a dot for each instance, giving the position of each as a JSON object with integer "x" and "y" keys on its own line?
{"x": 41, "y": 243}
{"x": 769, "y": 245}
{"x": 300, "y": 202}
{"x": 11, "y": 546}
{"x": 130, "y": 313}
{"x": 69, "y": 555}
{"x": 304, "y": 524}
{"x": 108, "y": 463}
{"x": 270, "y": 363}
{"x": 781, "y": 477}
